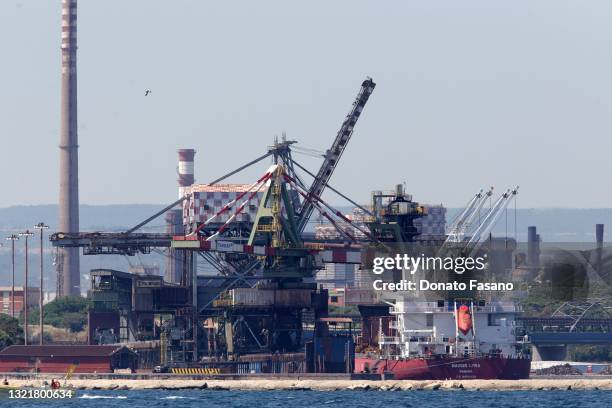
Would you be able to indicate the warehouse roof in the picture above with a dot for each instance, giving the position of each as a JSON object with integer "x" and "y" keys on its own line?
{"x": 62, "y": 351}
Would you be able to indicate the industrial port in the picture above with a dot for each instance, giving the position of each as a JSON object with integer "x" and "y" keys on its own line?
{"x": 266, "y": 277}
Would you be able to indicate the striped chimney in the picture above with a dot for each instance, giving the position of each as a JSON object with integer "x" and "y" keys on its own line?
{"x": 185, "y": 170}
{"x": 68, "y": 266}
{"x": 174, "y": 218}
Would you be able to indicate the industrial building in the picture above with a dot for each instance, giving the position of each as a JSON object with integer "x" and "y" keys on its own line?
{"x": 6, "y": 300}
{"x": 336, "y": 276}
{"x": 62, "y": 359}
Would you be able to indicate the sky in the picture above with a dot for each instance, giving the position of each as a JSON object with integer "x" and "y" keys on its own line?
{"x": 469, "y": 94}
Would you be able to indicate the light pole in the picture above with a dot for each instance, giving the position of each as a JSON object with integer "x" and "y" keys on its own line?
{"x": 1, "y": 245}
{"x": 41, "y": 226}
{"x": 26, "y": 234}
{"x": 13, "y": 238}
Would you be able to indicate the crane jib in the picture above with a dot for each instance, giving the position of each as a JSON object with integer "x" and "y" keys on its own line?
{"x": 335, "y": 152}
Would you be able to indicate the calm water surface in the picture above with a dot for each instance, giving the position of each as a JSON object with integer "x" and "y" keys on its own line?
{"x": 312, "y": 399}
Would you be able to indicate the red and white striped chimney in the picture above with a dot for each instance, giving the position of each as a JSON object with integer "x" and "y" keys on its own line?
{"x": 185, "y": 170}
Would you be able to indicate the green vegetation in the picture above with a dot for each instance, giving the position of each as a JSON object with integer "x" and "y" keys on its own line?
{"x": 540, "y": 302}
{"x": 68, "y": 312}
{"x": 10, "y": 331}
{"x": 597, "y": 354}
{"x": 543, "y": 299}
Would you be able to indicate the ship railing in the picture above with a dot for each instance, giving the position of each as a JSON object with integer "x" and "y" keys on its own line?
{"x": 427, "y": 340}
{"x": 389, "y": 340}
{"x": 499, "y": 308}
{"x": 414, "y": 308}
{"x": 415, "y": 339}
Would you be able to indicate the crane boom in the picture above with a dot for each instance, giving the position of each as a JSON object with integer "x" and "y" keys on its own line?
{"x": 454, "y": 230}
{"x": 333, "y": 154}
{"x": 490, "y": 220}
{"x": 464, "y": 224}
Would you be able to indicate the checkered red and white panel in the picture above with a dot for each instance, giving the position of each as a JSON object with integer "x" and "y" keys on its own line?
{"x": 203, "y": 205}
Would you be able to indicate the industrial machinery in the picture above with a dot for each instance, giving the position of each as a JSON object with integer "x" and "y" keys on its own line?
{"x": 264, "y": 300}
{"x": 393, "y": 219}
{"x": 270, "y": 316}
{"x": 333, "y": 155}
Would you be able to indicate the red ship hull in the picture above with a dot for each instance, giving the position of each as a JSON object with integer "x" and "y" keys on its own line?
{"x": 448, "y": 368}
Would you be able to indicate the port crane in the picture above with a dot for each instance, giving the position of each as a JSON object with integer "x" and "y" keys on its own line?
{"x": 130, "y": 242}
{"x": 275, "y": 245}
{"x": 485, "y": 228}
{"x": 274, "y": 235}
{"x": 459, "y": 232}
{"x": 333, "y": 155}
{"x": 464, "y": 221}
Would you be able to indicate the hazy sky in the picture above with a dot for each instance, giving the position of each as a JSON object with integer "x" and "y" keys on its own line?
{"x": 470, "y": 94}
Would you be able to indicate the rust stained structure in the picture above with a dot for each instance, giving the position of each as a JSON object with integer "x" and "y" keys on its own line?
{"x": 68, "y": 265}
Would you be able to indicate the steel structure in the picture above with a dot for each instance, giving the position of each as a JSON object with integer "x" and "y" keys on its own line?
{"x": 274, "y": 252}
{"x": 464, "y": 221}
{"x": 489, "y": 221}
{"x": 333, "y": 155}
{"x": 577, "y": 310}
{"x": 274, "y": 233}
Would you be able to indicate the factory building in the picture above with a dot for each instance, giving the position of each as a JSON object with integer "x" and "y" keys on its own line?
{"x": 62, "y": 359}
{"x": 335, "y": 276}
{"x": 7, "y": 303}
{"x": 352, "y": 297}
{"x": 363, "y": 278}
{"x": 144, "y": 270}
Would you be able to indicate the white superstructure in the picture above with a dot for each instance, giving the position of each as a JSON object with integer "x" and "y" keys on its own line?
{"x": 425, "y": 328}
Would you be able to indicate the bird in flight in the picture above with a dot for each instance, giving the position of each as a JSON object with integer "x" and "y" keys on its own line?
{"x": 147, "y": 92}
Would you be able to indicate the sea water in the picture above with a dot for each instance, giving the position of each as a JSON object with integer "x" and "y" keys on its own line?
{"x": 313, "y": 399}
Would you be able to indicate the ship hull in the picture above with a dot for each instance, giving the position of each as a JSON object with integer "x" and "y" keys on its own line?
{"x": 447, "y": 368}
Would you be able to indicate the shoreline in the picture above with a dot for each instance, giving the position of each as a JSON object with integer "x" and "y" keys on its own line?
{"x": 325, "y": 384}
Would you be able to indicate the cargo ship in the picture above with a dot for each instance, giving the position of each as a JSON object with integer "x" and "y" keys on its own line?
{"x": 449, "y": 340}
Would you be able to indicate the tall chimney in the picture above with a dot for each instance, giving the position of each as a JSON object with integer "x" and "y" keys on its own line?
{"x": 174, "y": 218}
{"x": 185, "y": 170}
{"x": 68, "y": 268}
{"x": 533, "y": 247}
{"x": 599, "y": 235}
